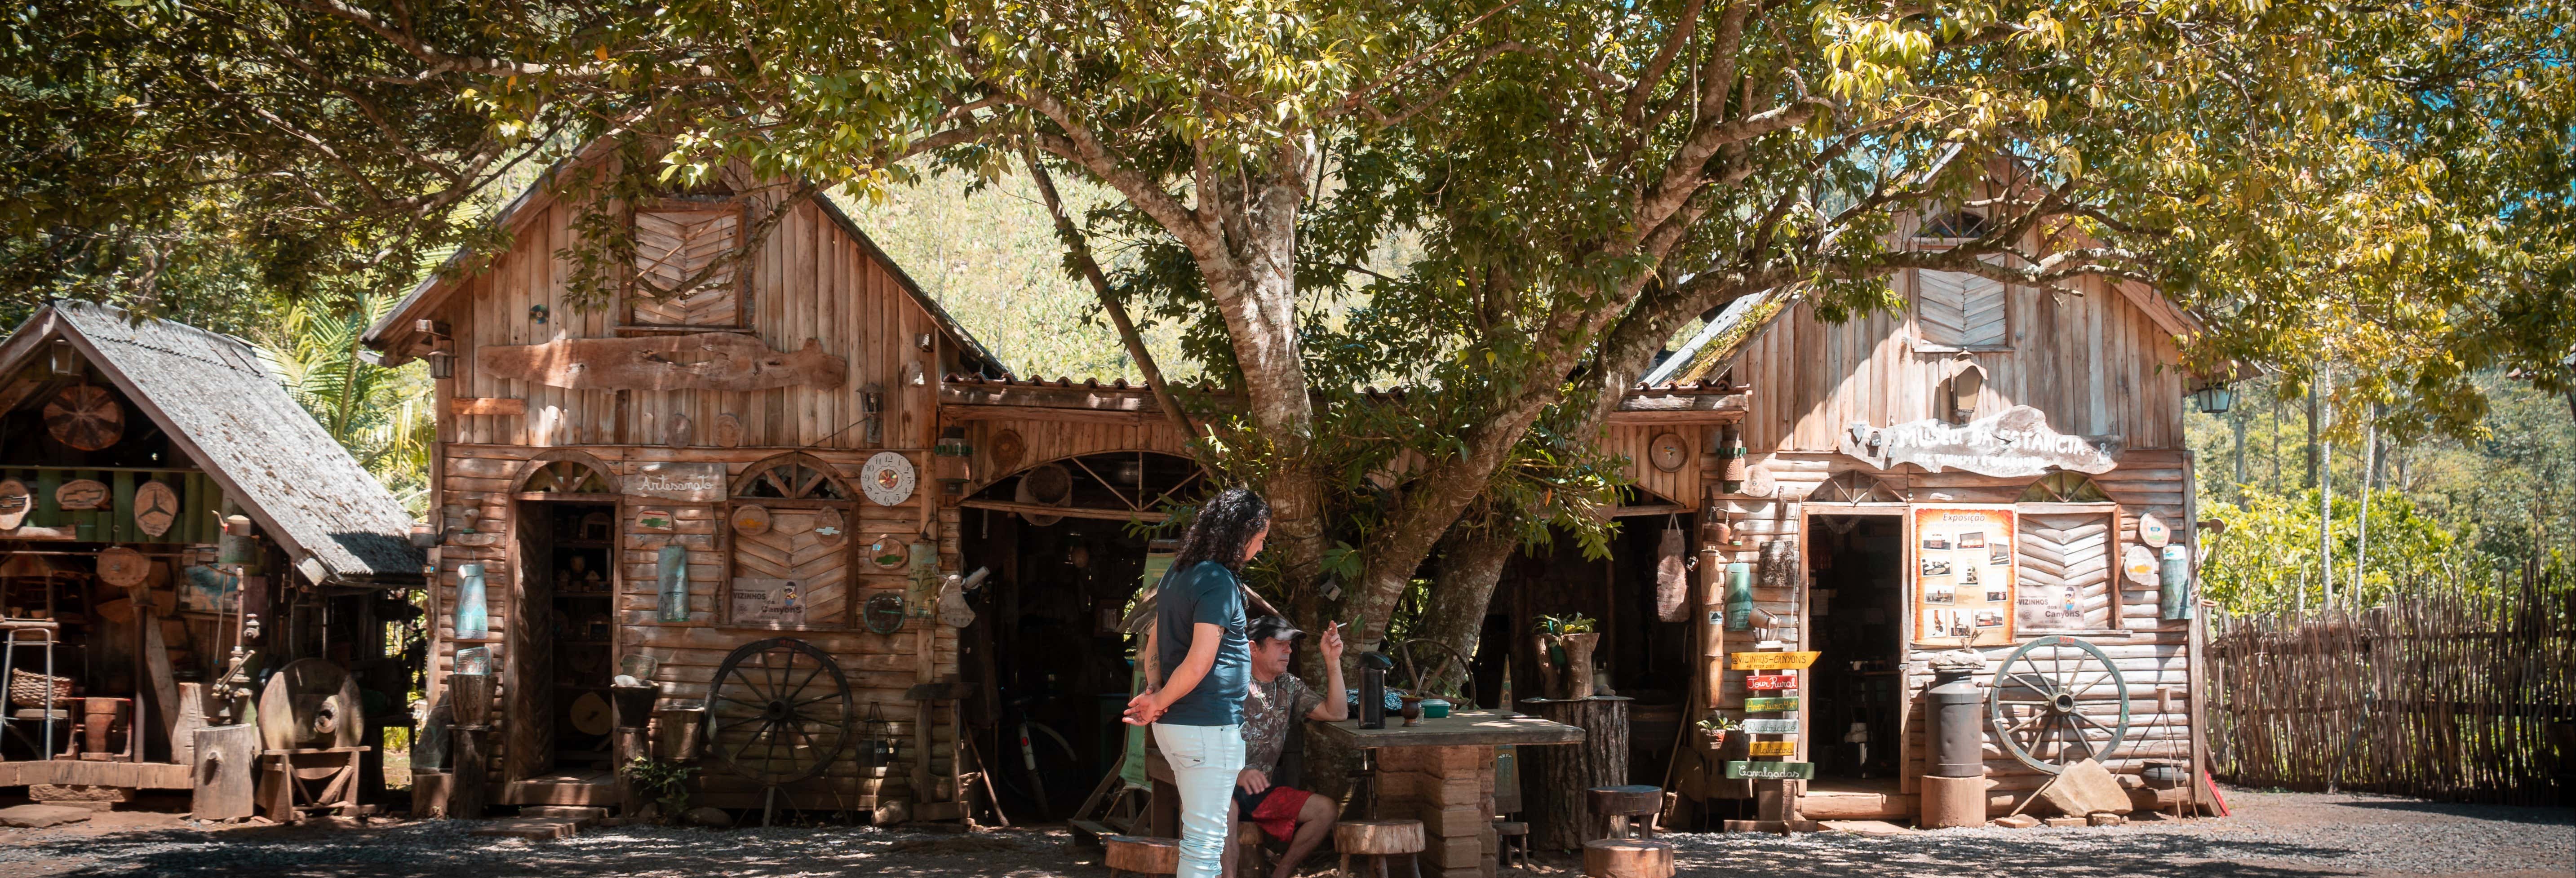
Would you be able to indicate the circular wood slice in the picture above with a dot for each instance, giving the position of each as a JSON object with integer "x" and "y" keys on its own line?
{"x": 86, "y": 417}
{"x": 15, "y": 502}
{"x": 1629, "y": 800}
{"x": 1149, "y": 856}
{"x": 830, "y": 529}
{"x": 123, "y": 567}
{"x": 728, "y": 431}
{"x": 81, "y": 494}
{"x": 1627, "y": 858}
{"x": 155, "y": 507}
{"x": 750, "y": 519}
{"x": 1007, "y": 449}
{"x": 1378, "y": 837}
{"x": 678, "y": 431}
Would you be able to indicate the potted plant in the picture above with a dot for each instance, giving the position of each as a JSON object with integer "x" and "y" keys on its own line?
{"x": 1712, "y": 734}
{"x": 1565, "y": 645}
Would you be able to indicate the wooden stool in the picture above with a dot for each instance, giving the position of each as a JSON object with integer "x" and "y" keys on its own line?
{"x": 1140, "y": 855}
{"x": 1247, "y": 848}
{"x": 1510, "y": 830}
{"x": 1379, "y": 839}
{"x": 1621, "y": 803}
{"x": 1627, "y": 858}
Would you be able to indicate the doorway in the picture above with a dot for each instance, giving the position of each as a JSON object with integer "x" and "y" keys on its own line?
{"x": 563, "y": 641}
{"x": 1856, "y": 618}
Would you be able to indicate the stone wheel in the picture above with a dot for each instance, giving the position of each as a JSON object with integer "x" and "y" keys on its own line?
{"x": 779, "y": 711}
{"x": 2058, "y": 700}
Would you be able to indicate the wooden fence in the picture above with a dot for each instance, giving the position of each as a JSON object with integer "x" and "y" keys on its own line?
{"x": 2462, "y": 697}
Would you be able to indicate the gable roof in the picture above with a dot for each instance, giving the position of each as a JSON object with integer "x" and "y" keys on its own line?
{"x": 223, "y": 408}
{"x": 433, "y": 291}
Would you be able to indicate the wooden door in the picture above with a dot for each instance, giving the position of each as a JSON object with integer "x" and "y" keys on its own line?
{"x": 2066, "y": 568}
{"x": 527, "y": 697}
{"x": 795, "y": 574}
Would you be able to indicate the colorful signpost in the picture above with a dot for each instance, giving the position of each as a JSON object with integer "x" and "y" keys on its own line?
{"x": 1771, "y": 661}
{"x": 1761, "y": 705}
{"x": 1771, "y": 682}
{"x": 1775, "y": 748}
{"x": 1787, "y": 726}
{"x": 1741, "y": 770}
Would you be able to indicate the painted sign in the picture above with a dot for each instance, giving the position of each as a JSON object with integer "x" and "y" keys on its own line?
{"x": 156, "y": 507}
{"x": 2138, "y": 563}
{"x": 2152, "y": 531}
{"x": 761, "y": 601}
{"x": 2013, "y": 443}
{"x": 693, "y": 482}
{"x": 81, "y": 494}
{"x": 1759, "y": 705}
{"x": 655, "y": 519}
{"x": 1963, "y": 575}
{"x": 1740, "y": 770}
{"x": 1771, "y": 661}
{"x": 1769, "y": 682}
{"x": 1783, "y": 726}
{"x": 1775, "y": 748}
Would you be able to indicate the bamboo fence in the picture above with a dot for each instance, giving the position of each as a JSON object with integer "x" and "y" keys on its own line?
{"x": 2463, "y": 697}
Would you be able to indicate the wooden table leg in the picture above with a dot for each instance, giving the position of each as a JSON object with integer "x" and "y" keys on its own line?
{"x": 1451, "y": 790}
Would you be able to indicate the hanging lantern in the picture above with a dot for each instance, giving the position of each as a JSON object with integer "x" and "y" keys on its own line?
{"x": 952, "y": 443}
{"x": 2213, "y": 398}
{"x": 1730, "y": 453}
{"x": 442, "y": 364}
{"x": 877, "y": 738}
{"x": 62, "y": 359}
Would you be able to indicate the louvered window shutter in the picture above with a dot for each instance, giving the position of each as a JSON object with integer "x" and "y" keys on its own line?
{"x": 672, "y": 248}
{"x": 1959, "y": 310}
{"x": 2066, "y": 570}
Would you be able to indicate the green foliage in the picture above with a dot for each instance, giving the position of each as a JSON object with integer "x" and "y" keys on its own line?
{"x": 383, "y": 416}
{"x": 2267, "y": 559}
{"x": 1573, "y": 624}
{"x": 666, "y": 782}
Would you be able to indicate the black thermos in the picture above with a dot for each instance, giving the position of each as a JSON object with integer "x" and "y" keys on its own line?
{"x": 1372, "y": 698}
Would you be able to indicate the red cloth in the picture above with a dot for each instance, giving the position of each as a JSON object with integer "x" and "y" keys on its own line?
{"x": 1277, "y": 811}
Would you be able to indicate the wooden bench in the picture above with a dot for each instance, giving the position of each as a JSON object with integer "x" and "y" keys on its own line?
{"x": 1378, "y": 840}
{"x": 1139, "y": 855}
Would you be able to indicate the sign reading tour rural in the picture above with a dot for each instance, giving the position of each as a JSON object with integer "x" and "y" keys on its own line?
{"x": 2013, "y": 443}
{"x": 1963, "y": 575}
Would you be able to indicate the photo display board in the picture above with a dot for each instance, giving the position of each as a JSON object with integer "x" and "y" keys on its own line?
{"x": 1963, "y": 575}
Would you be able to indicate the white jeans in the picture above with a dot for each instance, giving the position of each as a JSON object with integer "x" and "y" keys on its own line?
{"x": 1205, "y": 761}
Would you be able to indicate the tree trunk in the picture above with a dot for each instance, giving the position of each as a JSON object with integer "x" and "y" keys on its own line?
{"x": 1471, "y": 564}
{"x": 1559, "y": 818}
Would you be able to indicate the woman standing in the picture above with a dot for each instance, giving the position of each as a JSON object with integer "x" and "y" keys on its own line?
{"x": 1197, "y": 712}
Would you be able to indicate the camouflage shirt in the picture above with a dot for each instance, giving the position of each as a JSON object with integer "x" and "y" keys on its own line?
{"x": 1269, "y": 711}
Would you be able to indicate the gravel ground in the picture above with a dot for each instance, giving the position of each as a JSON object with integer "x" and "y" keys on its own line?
{"x": 2273, "y": 835}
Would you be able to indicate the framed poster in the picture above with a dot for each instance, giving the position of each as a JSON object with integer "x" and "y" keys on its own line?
{"x": 768, "y": 602}
{"x": 1963, "y": 575}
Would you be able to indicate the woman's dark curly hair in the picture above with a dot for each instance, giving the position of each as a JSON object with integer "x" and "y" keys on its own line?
{"x": 1225, "y": 524}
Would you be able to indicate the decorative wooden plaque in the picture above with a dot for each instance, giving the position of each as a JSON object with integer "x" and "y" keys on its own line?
{"x": 1768, "y": 682}
{"x": 763, "y": 601}
{"x": 1007, "y": 449}
{"x": 697, "y": 361}
{"x": 86, "y": 417}
{"x": 1775, "y": 748}
{"x": 728, "y": 431}
{"x": 1770, "y": 661}
{"x": 155, "y": 507}
{"x": 750, "y": 519}
{"x": 678, "y": 432}
{"x": 123, "y": 567}
{"x": 1769, "y": 705}
{"x": 829, "y": 528}
{"x": 15, "y": 502}
{"x": 655, "y": 519}
{"x": 81, "y": 494}
{"x": 1740, "y": 770}
{"x": 1783, "y": 726}
{"x": 1668, "y": 451}
{"x": 692, "y": 482}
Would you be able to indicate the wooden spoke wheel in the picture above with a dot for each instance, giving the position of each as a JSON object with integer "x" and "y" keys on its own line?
{"x": 2058, "y": 700}
{"x": 1428, "y": 666}
{"x": 779, "y": 711}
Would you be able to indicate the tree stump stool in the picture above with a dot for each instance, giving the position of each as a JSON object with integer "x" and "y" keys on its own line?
{"x": 1515, "y": 838}
{"x": 1136, "y": 854}
{"x": 1247, "y": 849}
{"x": 1627, "y": 858}
{"x": 1378, "y": 840}
{"x": 1620, "y": 803}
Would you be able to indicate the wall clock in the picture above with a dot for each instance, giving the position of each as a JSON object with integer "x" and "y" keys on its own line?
{"x": 883, "y": 613}
{"x": 1668, "y": 451}
{"x": 887, "y": 479}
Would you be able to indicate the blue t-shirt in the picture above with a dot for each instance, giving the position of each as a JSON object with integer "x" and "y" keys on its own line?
{"x": 1207, "y": 592}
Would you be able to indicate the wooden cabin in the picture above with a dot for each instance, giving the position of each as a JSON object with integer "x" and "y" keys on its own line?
{"x": 124, "y": 447}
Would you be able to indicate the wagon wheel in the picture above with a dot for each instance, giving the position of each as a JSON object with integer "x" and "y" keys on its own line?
{"x": 779, "y": 711}
{"x": 2040, "y": 711}
{"x": 1443, "y": 664}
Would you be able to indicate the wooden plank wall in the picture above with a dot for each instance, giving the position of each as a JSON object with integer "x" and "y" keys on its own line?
{"x": 1048, "y": 438}
{"x": 2094, "y": 363}
{"x": 1679, "y": 486}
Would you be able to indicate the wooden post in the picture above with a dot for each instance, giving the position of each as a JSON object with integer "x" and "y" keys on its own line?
{"x": 429, "y": 793}
{"x": 625, "y": 745}
{"x": 1559, "y": 818}
{"x": 470, "y": 787}
{"x": 226, "y": 756}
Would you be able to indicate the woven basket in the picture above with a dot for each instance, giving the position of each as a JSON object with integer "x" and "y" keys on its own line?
{"x": 28, "y": 689}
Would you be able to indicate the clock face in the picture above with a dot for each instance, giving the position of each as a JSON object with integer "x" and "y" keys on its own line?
{"x": 883, "y": 613}
{"x": 887, "y": 479}
{"x": 1668, "y": 451}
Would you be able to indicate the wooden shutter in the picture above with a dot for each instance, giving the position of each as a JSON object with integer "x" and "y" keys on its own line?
{"x": 791, "y": 552}
{"x": 2059, "y": 552}
{"x": 672, "y": 246}
{"x": 1958, "y": 310}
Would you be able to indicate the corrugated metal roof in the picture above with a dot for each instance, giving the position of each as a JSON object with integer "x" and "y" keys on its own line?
{"x": 213, "y": 394}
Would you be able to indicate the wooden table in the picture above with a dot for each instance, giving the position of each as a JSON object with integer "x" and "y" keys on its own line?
{"x": 1442, "y": 773}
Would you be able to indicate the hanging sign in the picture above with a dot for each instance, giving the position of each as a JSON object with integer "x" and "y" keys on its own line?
{"x": 776, "y": 602}
{"x": 1771, "y": 661}
{"x": 1762, "y": 705}
{"x": 2013, "y": 443}
{"x": 2152, "y": 531}
{"x": 692, "y": 482}
{"x": 750, "y": 519}
{"x": 155, "y": 508}
{"x": 1963, "y": 575}
{"x": 1783, "y": 726}
{"x": 2138, "y": 563}
{"x": 1775, "y": 748}
{"x": 1768, "y": 682}
{"x": 1740, "y": 770}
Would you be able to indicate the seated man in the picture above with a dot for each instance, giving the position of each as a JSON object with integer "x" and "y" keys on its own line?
{"x": 1276, "y": 701}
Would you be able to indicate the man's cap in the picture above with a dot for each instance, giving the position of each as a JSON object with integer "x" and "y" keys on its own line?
{"x": 1271, "y": 628}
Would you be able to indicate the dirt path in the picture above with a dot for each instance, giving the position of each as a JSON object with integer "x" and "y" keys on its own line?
{"x": 2274, "y": 835}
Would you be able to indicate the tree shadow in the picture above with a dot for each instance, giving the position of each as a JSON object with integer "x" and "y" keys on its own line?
{"x": 2538, "y": 815}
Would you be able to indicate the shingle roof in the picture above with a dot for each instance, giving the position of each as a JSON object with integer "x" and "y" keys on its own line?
{"x": 211, "y": 393}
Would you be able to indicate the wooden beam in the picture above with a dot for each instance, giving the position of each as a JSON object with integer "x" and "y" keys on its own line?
{"x": 467, "y": 405}
{"x": 1066, "y": 511}
{"x": 975, "y": 412}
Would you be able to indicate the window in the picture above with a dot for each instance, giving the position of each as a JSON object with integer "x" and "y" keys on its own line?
{"x": 2065, "y": 580}
{"x": 567, "y": 477}
{"x": 1959, "y": 311}
{"x": 683, "y": 276}
{"x": 1955, "y": 224}
{"x": 1854, "y": 486}
{"x": 790, "y": 523}
{"x": 2064, "y": 487}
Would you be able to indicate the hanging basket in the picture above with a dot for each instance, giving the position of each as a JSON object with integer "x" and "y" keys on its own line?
{"x": 29, "y": 689}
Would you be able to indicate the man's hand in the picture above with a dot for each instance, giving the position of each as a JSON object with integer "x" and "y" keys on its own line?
{"x": 1331, "y": 643}
{"x": 1142, "y": 710}
{"x": 1252, "y": 781}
